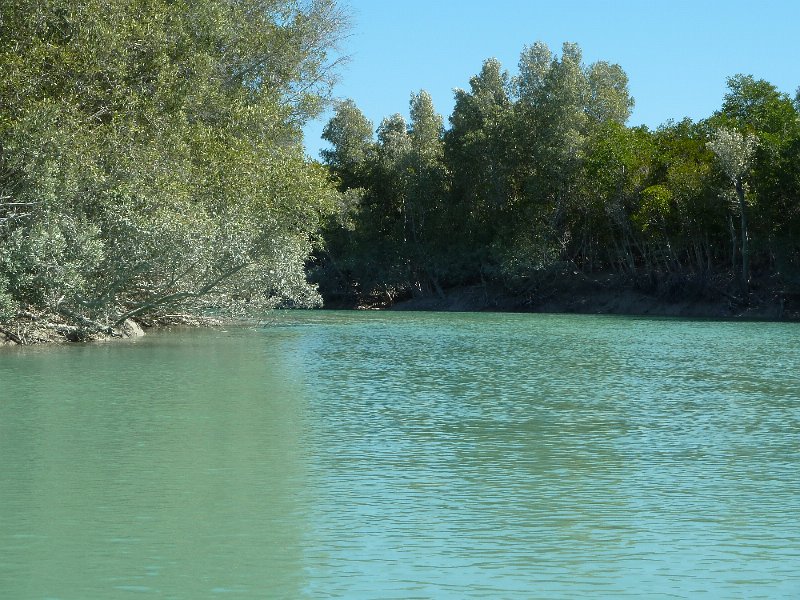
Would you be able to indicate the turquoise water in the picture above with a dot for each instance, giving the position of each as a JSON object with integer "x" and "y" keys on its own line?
{"x": 402, "y": 455}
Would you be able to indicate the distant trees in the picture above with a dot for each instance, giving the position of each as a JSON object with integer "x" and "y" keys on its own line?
{"x": 151, "y": 155}
{"x": 538, "y": 174}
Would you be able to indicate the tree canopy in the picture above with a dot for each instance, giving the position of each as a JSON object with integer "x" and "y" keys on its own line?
{"x": 151, "y": 155}
{"x": 539, "y": 174}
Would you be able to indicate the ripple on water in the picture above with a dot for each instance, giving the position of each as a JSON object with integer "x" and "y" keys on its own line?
{"x": 407, "y": 456}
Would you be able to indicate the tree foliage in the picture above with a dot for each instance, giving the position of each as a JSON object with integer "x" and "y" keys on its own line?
{"x": 539, "y": 174}
{"x": 151, "y": 154}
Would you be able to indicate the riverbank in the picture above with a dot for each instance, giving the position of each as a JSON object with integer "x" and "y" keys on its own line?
{"x": 25, "y": 333}
{"x": 614, "y": 302}
{"x": 571, "y": 293}
{"x": 30, "y": 329}
{"x": 576, "y": 293}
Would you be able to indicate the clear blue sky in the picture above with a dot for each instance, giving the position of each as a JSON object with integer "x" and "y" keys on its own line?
{"x": 677, "y": 53}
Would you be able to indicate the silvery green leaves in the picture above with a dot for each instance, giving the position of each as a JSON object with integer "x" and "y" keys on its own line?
{"x": 151, "y": 157}
{"x": 734, "y": 151}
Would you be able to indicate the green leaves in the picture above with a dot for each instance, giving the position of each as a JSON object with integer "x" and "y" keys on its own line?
{"x": 150, "y": 153}
{"x": 350, "y": 134}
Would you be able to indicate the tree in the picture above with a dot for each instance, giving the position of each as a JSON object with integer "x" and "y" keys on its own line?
{"x": 683, "y": 165}
{"x": 478, "y": 155}
{"x": 385, "y": 220}
{"x": 734, "y": 152}
{"x": 150, "y": 154}
{"x": 550, "y": 121}
{"x": 549, "y": 126}
{"x": 425, "y": 192}
{"x": 617, "y": 171}
{"x": 759, "y": 106}
{"x": 609, "y": 99}
{"x": 560, "y": 102}
{"x": 391, "y": 178}
{"x": 350, "y": 134}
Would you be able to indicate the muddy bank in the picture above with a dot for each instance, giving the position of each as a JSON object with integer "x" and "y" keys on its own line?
{"x": 30, "y": 329}
{"x": 618, "y": 302}
{"x": 602, "y": 295}
{"x": 26, "y": 332}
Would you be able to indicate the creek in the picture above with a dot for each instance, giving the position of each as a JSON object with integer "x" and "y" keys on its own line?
{"x": 406, "y": 455}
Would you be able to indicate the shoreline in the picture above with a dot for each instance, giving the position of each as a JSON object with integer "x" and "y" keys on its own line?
{"x": 603, "y": 295}
{"x": 588, "y": 298}
{"x": 45, "y": 332}
{"x": 624, "y": 302}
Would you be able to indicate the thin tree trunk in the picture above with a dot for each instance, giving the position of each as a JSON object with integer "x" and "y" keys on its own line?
{"x": 733, "y": 243}
{"x": 745, "y": 236}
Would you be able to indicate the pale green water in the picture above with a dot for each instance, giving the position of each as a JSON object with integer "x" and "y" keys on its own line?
{"x": 399, "y": 455}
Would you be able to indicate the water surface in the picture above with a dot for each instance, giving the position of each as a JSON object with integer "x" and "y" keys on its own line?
{"x": 401, "y": 455}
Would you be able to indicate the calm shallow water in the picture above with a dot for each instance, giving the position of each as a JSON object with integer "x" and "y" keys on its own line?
{"x": 398, "y": 455}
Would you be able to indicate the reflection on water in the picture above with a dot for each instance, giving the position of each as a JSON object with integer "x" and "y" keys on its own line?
{"x": 394, "y": 455}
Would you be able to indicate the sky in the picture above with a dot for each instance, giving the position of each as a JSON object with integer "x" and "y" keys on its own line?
{"x": 677, "y": 53}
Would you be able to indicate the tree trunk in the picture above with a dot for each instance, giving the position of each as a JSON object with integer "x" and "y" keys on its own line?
{"x": 732, "y": 229}
{"x": 745, "y": 236}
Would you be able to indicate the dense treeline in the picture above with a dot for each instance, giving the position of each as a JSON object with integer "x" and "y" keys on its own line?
{"x": 539, "y": 175}
{"x": 151, "y": 156}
